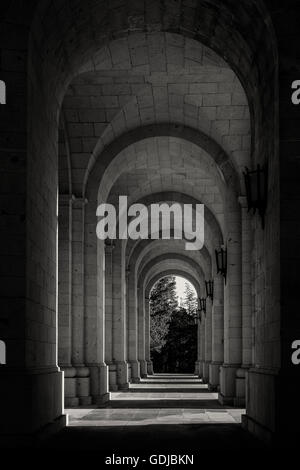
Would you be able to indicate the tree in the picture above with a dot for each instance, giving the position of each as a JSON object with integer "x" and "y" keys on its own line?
{"x": 163, "y": 301}
{"x": 173, "y": 332}
{"x": 190, "y": 302}
{"x": 180, "y": 349}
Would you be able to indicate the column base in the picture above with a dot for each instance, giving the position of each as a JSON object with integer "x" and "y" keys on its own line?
{"x": 197, "y": 368}
{"x": 122, "y": 375}
{"x": 83, "y": 385}
{"x": 227, "y": 392}
{"x": 201, "y": 369}
{"x": 214, "y": 376}
{"x": 143, "y": 367}
{"x": 135, "y": 372}
{"x": 149, "y": 367}
{"x": 102, "y": 400}
{"x": 240, "y": 388}
{"x": 205, "y": 372}
{"x": 71, "y": 399}
{"x": 99, "y": 375}
{"x": 268, "y": 392}
{"x": 71, "y": 402}
{"x": 112, "y": 370}
{"x": 257, "y": 429}
{"x": 135, "y": 380}
{"x": 31, "y": 401}
{"x": 25, "y": 440}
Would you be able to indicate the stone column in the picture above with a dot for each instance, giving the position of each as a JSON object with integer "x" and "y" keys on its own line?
{"x": 207, "y": 349}
{"x": 65, "y": 299}
{"x": 141, "y": 333}
{"x": 100, "y": 370}
{"x": 247, "y": 242}
{"x": 198, "y": 370}
{"x": 119, "y": 317}
{"x": 202, "y": 345}
{"x": 78, "y": 320}
{"x": 217, "y": 333}
{"x": 232, "y": 312}
{"x": 147, "y": 337}
{"x": 132, "y": 326}
{"x": 109, "y": 316}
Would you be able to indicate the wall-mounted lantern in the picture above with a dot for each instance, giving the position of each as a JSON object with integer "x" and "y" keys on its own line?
{"x": 221, "y": 261}
{"x": 209, "y": 286}
{"x": 256, "y": 183}
{"x": 198, "y": 315}
{"x": 202, "y": 305}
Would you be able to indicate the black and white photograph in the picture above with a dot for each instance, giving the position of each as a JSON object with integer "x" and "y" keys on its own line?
{"x": 149, "y": 226}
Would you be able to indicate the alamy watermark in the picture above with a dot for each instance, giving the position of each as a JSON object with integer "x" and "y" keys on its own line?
{"x": 165, "y": 221}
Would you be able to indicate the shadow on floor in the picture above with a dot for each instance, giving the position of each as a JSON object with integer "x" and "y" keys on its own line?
{"x": 146, "y": 440}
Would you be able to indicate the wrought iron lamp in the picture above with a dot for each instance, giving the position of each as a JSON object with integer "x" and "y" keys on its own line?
{"x": 221, "y": 261}
{"x": 256, "y": 183}
{"x": 202, "y": 305}
{"x": 209, "y": 286}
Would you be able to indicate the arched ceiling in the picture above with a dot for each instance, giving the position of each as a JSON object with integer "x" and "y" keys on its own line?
{"x": 172, "y": 248}
{"x": 150, "y": 78}
{"x": 165, "y": 164}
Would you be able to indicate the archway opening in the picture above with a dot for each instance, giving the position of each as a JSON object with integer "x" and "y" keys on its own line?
{"x": 173, "y": 325}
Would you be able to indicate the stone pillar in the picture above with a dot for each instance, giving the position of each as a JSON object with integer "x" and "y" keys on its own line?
{"x": 141, "y": 333}
{"x": 198, "y": 370}
{"x": 132, "y": 315}
{"x": 78, "y": 319}
{"x": 31, "y": 382}
{"x": 147, "y": 337}
{"x": 217, "y": 333}
{"x": 232, "y": 312}
{"x": 247, "y": 242}
{"x": 119, "y": 317}
{"x": 99, "y": 370}
{"x": 207, "y": 349}
{"x": 202, "y": 344}
{"x": 65, "y": 299}
{"x": 109, "y": 316}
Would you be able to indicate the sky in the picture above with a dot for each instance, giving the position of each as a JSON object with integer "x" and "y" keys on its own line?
{"x": 180, "y": 283}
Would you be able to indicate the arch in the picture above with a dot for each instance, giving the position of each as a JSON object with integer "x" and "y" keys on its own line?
{"x": 210, "y": 219}
{"x": 172, "y": 257}
{"x": 185, "y": 133}
{"x": 157, "y": 251}
{"x": 176, "y": 272}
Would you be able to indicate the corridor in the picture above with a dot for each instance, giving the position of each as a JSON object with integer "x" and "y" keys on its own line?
{"x": 164, "y": 113}
{"x": 172, "y": 412}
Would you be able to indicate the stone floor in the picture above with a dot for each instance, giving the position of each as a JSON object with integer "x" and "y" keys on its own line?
{"x": 159, "y": 400}
{"x": 166, "y": 413}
